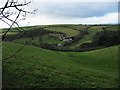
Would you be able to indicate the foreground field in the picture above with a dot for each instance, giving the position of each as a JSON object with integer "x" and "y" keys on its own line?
{"x": 36, "y": 67}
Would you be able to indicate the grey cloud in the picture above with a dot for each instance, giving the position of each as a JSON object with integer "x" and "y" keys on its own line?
{"x": 76, "y": 9}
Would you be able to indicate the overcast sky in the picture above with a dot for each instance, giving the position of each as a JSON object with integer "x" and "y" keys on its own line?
{"x": 71, "y": 12}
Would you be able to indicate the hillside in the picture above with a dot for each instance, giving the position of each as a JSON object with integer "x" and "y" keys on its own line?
{"x": 66, "y": 37}
{"x": 36, "y": 67}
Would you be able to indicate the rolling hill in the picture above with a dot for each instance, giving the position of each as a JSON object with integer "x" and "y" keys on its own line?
{"x": 36, "y": 67}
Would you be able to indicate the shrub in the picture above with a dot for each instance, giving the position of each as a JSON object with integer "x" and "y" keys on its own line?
{"x": 106, "y": 38}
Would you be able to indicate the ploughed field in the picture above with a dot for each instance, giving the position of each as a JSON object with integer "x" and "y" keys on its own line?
{"x": 52, "y": 58}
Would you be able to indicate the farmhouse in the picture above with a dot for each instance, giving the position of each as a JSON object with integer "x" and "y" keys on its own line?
{"x": 63, "y": 38}
{"x": 59, "y": 45}
{"x": 67, "y": 40}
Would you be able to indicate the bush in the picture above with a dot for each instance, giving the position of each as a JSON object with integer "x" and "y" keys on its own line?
{"x": 106, "y": 38}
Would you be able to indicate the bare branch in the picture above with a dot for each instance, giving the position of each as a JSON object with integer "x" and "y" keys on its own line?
{"x": 6, "y": 12}
{"x": 11, "y": 26}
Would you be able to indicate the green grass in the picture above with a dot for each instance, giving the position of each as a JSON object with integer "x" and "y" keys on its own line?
{"x": 113, "y": 28}
{"x": 69, "y": 32}
{"x": 37, "y": 40}
{"x": 87, "y": 38}
{"x": 35, "y": 67}
{"x": 22, "y": 40}
{"x": 47, "y": 39}
{"x": 25, "y": 40}
{"x": 77, "y": 27}
{"x": 56, "y": 35}
{"x": 11, "y": 33}
{"x": 92, "y": 31}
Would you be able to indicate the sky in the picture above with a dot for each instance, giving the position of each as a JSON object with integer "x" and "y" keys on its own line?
{"x": 69, "y": 12}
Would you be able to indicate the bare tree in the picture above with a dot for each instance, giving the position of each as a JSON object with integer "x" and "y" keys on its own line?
{"x": 16, "y": 9}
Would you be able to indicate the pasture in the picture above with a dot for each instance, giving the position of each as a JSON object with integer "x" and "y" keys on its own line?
{"x": 38, "y": 67}
{"x": 35, "y": 67}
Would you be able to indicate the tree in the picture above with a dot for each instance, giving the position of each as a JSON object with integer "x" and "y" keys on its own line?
{"x": 106, "y": 38}
{"x": 14, "y": 8}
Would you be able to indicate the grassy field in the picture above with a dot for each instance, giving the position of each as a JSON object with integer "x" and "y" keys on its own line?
{"x": 47, "y": 39}
{"x": 87, "y": 38}
{"x": 113, "y": 28}
{"x": 35, "y": 67}
{"x": 77, "y": 27}
{"x": 69, "y": 32}
{"x": 37, "y": 40}
{"x": 92, "y": 31}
